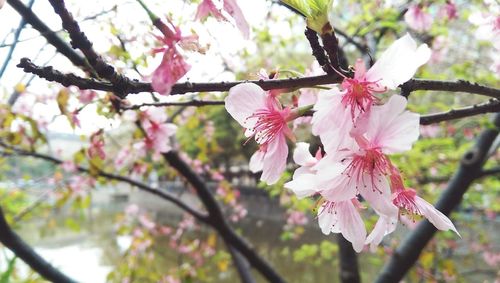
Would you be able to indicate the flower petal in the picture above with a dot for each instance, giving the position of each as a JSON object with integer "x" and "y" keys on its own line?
{"x": 303, "y": 185}
{"x": 256, "y": 161}
{"x": 351, "y": 224}
{"x": 399, "y": 62}
{"x": 384, "y": 226}
{"x": 275, "y": 160}
{"x": 302, "y": 156}
{"x": 392, "y": 128}
{"x": 436, "y": 217}
{"x": 243, "y": 100}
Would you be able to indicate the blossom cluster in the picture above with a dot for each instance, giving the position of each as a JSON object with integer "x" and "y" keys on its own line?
{"x": 358, "y": 133}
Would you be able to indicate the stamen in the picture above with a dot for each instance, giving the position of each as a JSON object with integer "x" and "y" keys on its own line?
{"x": 269, "y": 124}
{"x": 372, "y": 163}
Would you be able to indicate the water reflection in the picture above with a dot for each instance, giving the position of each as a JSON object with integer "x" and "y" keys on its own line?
{"x": 91, "y": 252}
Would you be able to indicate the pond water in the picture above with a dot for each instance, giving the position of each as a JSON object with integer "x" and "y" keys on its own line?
{"x": 89, "y": 254}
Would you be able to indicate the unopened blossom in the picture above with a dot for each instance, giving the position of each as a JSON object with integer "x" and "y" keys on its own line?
{"x": 336, "y": 110}
{"x": 449, "y": 10}
{"x": 86, "y": 96}
{"x": 418, "y": 19}
{"x": 343, "y": 217}
{"x": 265, "y": 120}
{"x": 96, "y": 148}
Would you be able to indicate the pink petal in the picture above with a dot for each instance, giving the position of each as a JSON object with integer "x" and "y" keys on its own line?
{"x": 243, "y": 100}
{"x": 232, "y": 8}
{"x": 399, "y": 62}
{"x": 391, "y": 127}
{"x": 327, "y": 221}
{"x": 384, "y": 226}
{"x": 438, "y": 219}
{"x": 302, "y": 156}
{"x": 351, "y": 225}
{"x": 379, "y": 198}
{"x": 275, "y": 160}
{"x": 303, "y": 185}
{"x": 257, "y": 161}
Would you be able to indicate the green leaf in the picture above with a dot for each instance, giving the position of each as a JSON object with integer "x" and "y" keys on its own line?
{"x": 5, "y": 276}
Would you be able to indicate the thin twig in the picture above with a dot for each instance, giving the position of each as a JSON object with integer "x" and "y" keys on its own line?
{"x": 194, "y": 102}
{"x": 488, "y": 107}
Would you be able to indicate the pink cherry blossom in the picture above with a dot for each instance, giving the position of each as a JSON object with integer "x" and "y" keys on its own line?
{"x": 86, "y": 96}
{"x": 343, "y": 217}
{"x": 2, "y": 2}
{"x": 396, "y": 65}
{"x": 210, "y": 7}
{"x": 158, "y": 131}
{"x": 69, "y": 166}
{"x": 225, "y": 10}
{"x": 172, "y": 68}
{"x": 265, "y": 120}
{"x": 408, "y": 201}
{"x": 96, "y": 148}
{"x": 449, "y": 10}
{"x": 418, "y": 19}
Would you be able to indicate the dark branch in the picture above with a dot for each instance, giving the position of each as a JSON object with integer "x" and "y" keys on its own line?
{"x": 348, "y": 261}
{"x": 194, "y": 102}
{"x": 489, "y": 172}
{"x": 469, "y": 170}
{"x": 317, "y": 51}
{"x": 22, "y": 250}
{"x": 51, "y": 37}
{"x": 179, "y": 88}
{"x": 217, "y": 220}
{"x": 290, "y": 83}
{"x": 79, "y": 40}
{"x": 492, "y": 106}
{"x": 458, "y": 86}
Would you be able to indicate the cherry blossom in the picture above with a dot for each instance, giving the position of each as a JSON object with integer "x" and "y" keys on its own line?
{"x": 343, "y": 217}
{"x": 408, "y": 201}
{"x": 158, "y": 131}
{"x": 96, "y": 148}
{"x": 395, "y": 66}
{"x": 418, "y": 19}
{"x": 2, "y": 2}
{"x": 265, "y": 120}
{"x": 224, "y": 10}
{"x": 172, "y": 68}
{"x": 449, "y": 10}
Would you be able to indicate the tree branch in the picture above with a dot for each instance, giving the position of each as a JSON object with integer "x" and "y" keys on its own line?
{"x": 180, "y": 88}
{"x": 46, "y": 32}
{"x": 79, "y": 40}
{"x": 22, "y": 250}
{"x": 194, "y": 102}
{"x": 348, "y": 261}
{"x": 317, "y": 51}
{"x": 217, "y": 220}
{"x": 492, "y": 106}
{"x": 449, "y": 86}
{"x": 409, "y": 251}
{"x": 14, "y": 43}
